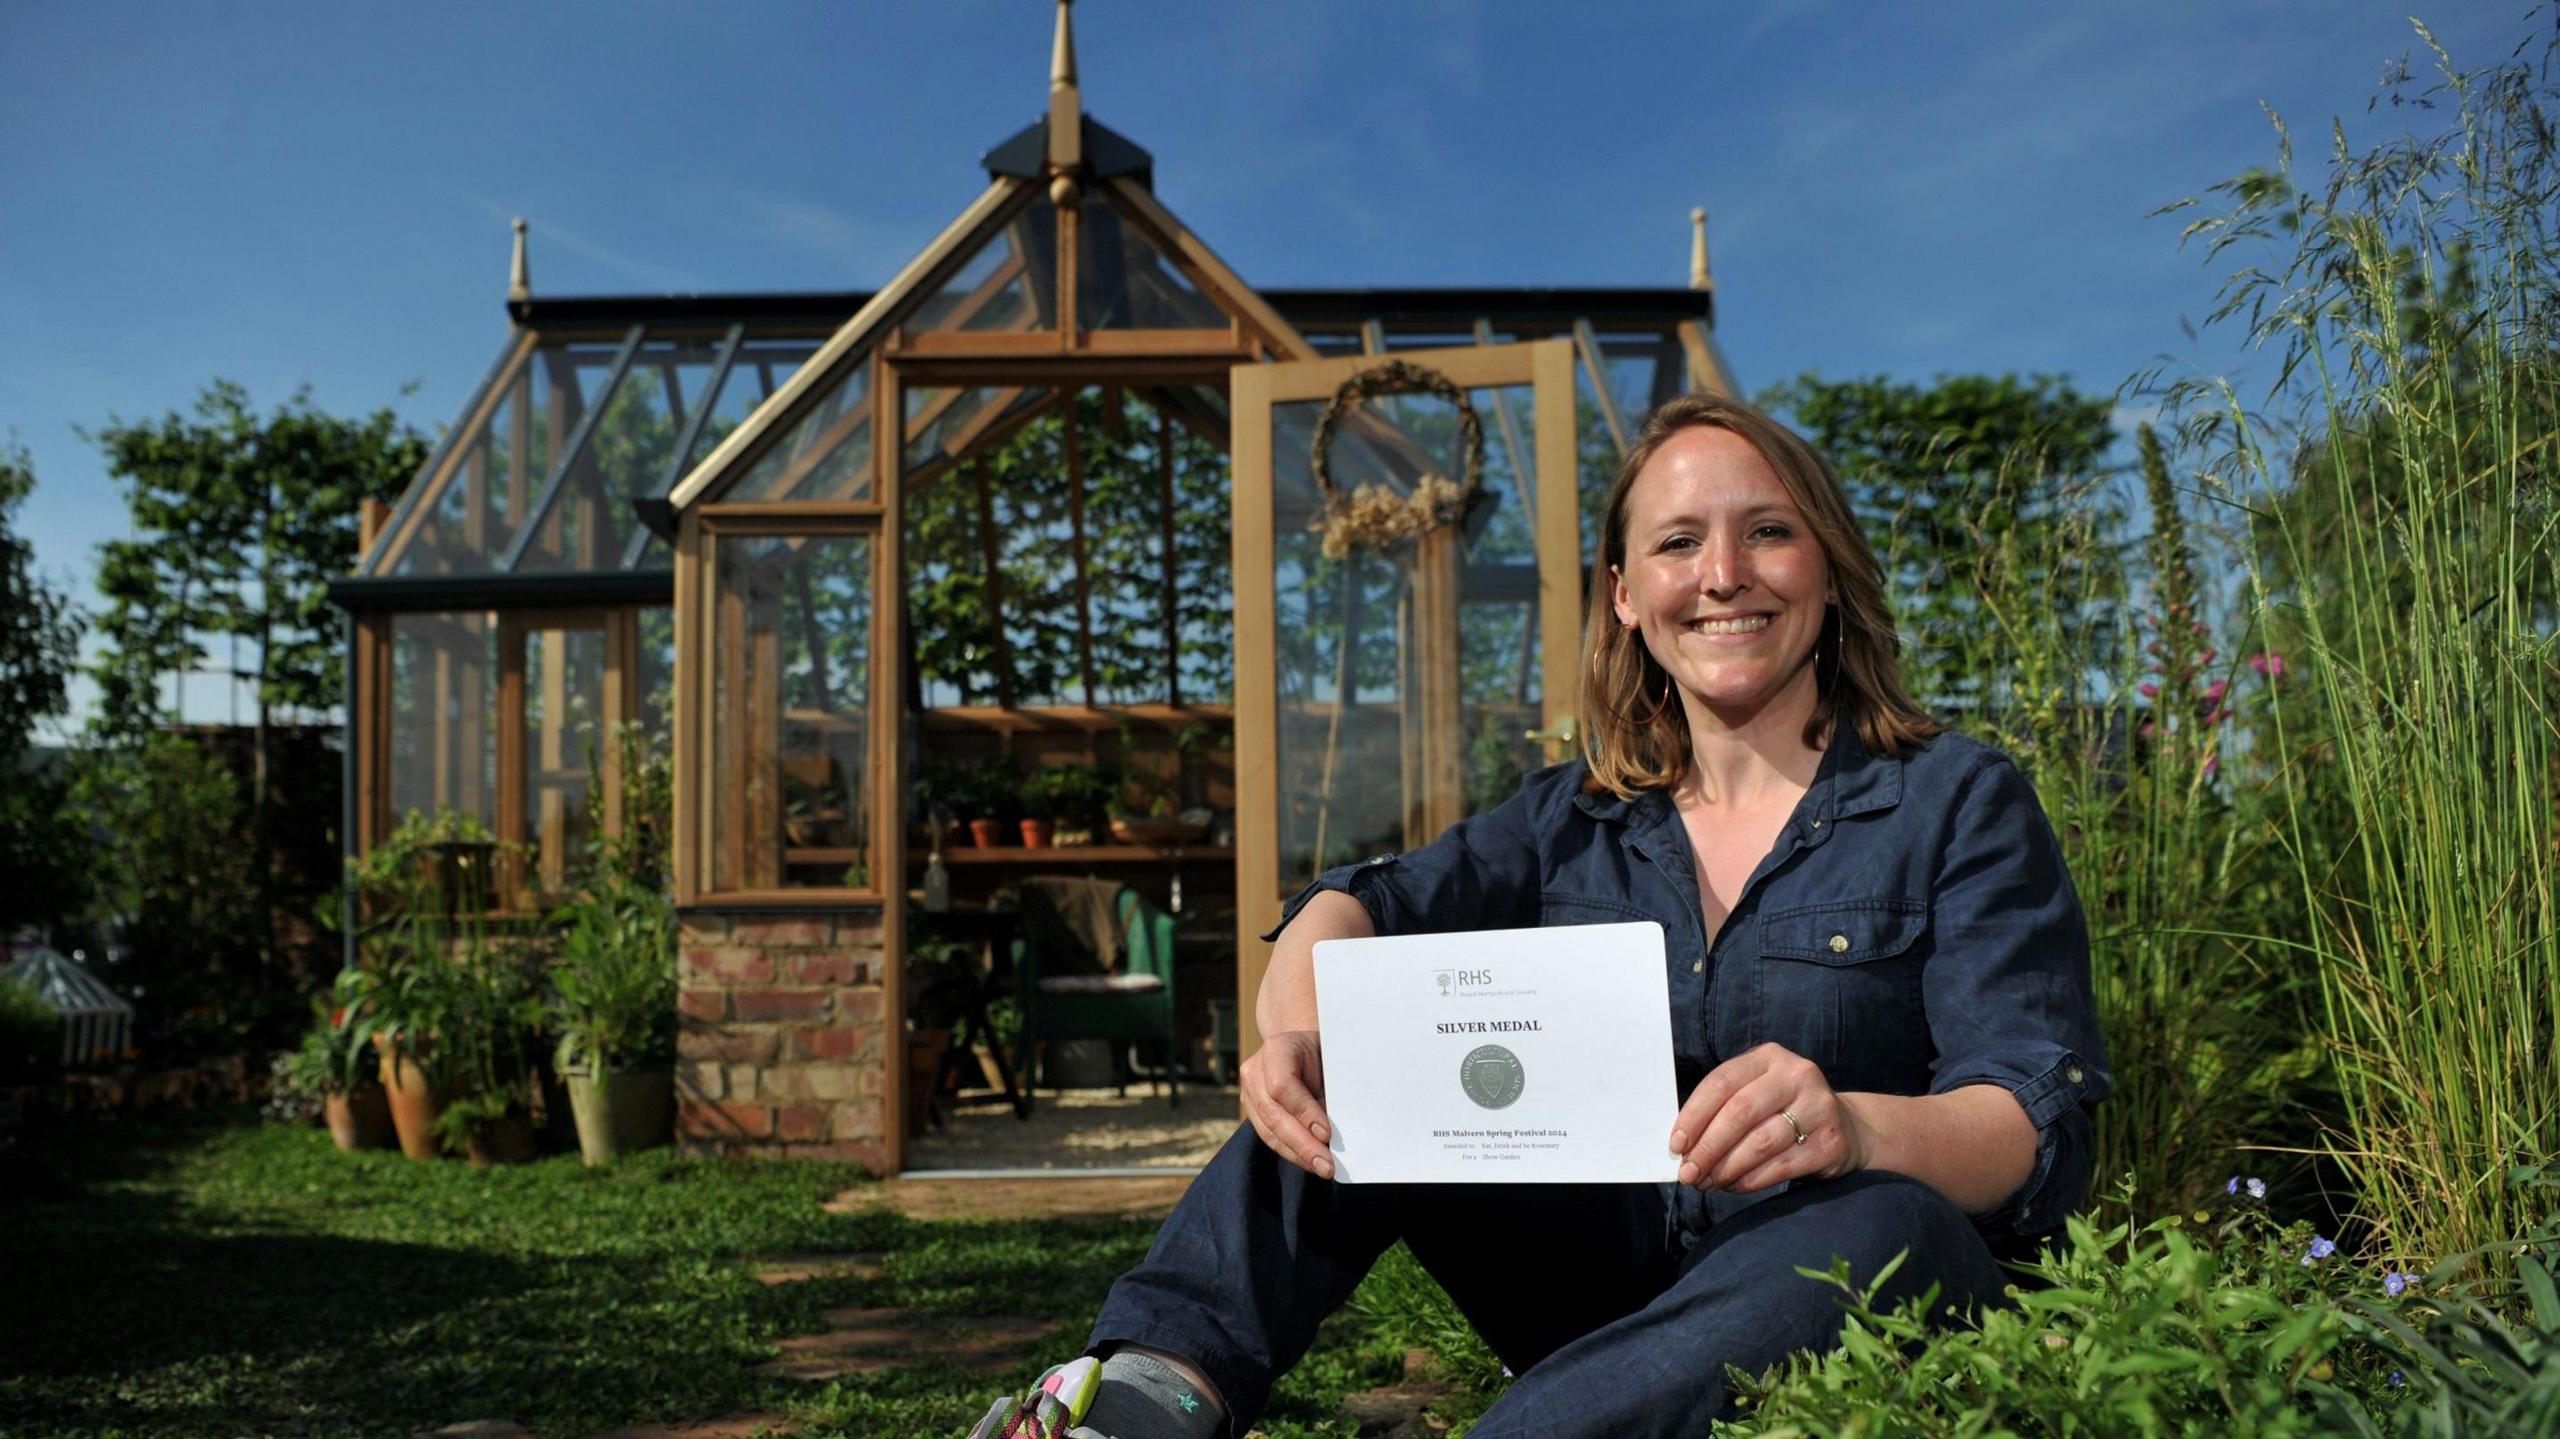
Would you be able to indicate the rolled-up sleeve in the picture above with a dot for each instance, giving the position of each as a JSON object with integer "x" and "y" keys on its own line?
{"x": 2008, "y": 990}
{"x": 1482, "y": 874}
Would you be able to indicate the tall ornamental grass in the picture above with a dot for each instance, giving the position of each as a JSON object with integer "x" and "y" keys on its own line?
{"x": 2101, "y": 673}
{"x": 2398, "y": 480}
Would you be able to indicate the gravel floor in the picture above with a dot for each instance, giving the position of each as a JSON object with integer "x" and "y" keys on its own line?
{"x": 1080, "y": 1129}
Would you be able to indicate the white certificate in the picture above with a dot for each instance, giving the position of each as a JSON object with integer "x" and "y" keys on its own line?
{"x": 1503, "y": 1056}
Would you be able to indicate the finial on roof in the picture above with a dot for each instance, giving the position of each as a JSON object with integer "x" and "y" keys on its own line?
{"x": 1699, "y": 278}
{"x": 519, "y": 273}
{"x": 1066, "y": 107}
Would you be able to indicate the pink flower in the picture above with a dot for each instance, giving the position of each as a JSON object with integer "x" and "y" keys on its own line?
{"x": 2214, "y": 692}
{"x": 2149, "y": 691}
{"x": 2212, "y": 765}
{"x": 2216, "y": 716}
{"x": 2269, "y": 664}
{"x": 2206, "y": 658}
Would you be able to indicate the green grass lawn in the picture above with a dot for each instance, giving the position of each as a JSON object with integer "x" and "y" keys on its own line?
{"x": 220, "y": 1277}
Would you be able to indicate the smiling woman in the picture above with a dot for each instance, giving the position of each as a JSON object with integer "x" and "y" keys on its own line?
{"x": 1879, "y": 988}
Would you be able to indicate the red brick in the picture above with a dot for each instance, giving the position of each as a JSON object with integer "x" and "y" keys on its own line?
{"x": 856, "y": 1122}
{"x": 800, "y": 1122}
{"x": 753, "y": 1046}
{"x": 822, "y": 968}
{"x": 729, "y": 964}
{"x": 705, "y": 1004}
{"x": 724, "y": 1121}
{"x": 700, "y": 1081}
{"x": 766, "y": 1005}
{"x": 797, "y": 931}
{"x": 834, "y": 1042}
{"x": 861, "y": 1006}
{"x": 858, "y": 934}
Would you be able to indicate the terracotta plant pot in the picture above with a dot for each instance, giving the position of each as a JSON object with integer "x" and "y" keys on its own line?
{"x": 986, "y": 833}
{"x": 414, "y": 1107}
{"x": 634, "y": 1109}
{"x": 361, "y": 1120}
{"x": 507, "y": 1139}
{"x": 1036, "y": 832}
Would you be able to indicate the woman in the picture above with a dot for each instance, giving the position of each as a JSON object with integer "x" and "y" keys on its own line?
{"x": 1881, "y": 1011}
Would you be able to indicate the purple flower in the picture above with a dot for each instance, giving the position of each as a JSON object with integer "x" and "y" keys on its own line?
{"x": 2394, "y": 1283}
{"x": 2268, "y": 664}
{"x": 2233, "y": 1187}
{"x": 2257, "y": 1189}
{"x": 2398, "y": 1378}
{"x": 2212, "y": 765}
{"x": 2320, "y": 1249}
{"x": 2214, "y": 692}
{"x": 2149, "y": 691}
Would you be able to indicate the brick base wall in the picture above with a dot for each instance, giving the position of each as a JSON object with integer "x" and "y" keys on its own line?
{"x": 785, "y": 1040}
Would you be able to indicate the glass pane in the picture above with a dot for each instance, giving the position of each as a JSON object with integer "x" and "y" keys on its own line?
{"x": 1367, "y": 638}
{"x": 827, "y": 453}
{"x": 444, "y": 693}
{"x": 1007, "y": 285}
{"x": 1123, "y": 282}
{"x": 564, "y": 740}
{"x": 762, "y": 365}
{"x": 488, "y": 488}
{"x": 995, "y": 609}
{"x": 791, "y": 713}
{"x": 656, "y": 681}
{"x": 583, "y": 527}
{"x": 630, "y": 454}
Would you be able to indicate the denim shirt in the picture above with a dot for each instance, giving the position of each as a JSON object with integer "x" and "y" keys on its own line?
{"x": 1912, "y": 931}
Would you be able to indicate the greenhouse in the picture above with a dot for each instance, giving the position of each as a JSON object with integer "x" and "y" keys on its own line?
{"x": 1065, "y": 552}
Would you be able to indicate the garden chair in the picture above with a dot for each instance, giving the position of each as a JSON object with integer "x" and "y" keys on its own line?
{"x": 1116, "y": 985}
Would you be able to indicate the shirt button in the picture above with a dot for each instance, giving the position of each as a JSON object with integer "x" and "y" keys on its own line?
{"x": 1381, "y": 859}
{"x": 2072, "y": 1074}
{"x": 1817, "y": 824}
{"x": 1697, "y": 966}
{"x": 1839, "y": 944}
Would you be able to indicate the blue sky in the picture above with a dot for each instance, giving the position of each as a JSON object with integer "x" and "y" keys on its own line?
{"x": 287, "y": 194}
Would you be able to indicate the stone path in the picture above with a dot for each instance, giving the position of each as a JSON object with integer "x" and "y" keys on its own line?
{"x": 1064, "y": 1196}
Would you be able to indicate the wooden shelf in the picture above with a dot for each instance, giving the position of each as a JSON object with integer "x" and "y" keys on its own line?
{"x": 1074, "y": 854}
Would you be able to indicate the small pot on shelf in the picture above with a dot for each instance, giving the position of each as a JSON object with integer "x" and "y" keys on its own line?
{"x": 986, "y": 833}
{"x": 1036, "y": 833}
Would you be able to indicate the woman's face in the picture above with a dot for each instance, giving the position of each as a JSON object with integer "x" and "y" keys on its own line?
{"x": 1722, "y": 577}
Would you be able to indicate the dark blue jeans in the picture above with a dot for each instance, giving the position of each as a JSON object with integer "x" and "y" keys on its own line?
{"x": 1616, "y": 1322}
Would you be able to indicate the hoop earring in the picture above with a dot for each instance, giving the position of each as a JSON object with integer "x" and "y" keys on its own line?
{"x": 1660, "y": 704}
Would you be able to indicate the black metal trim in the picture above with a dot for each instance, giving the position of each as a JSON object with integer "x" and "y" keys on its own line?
{"x": 572, "y": 452}
{"x": 1608, "y": 307}
{"x": 653, "y": 511}
{"x": 369, "y": 595}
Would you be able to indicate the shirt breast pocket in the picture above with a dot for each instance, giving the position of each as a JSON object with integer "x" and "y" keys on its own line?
{"x": 1839, "y": 983}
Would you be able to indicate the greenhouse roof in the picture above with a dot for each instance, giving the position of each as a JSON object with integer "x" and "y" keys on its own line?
{"x": 602, "y": 415}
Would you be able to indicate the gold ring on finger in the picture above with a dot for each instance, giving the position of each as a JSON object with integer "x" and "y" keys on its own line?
{"x": 1790, "y": 1118}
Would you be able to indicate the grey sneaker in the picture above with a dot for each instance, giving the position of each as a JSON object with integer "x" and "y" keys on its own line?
{"x": 1049, "y": 1409}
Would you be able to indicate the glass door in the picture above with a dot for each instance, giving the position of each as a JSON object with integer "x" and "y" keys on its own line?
{"x": 1406, "y": 638}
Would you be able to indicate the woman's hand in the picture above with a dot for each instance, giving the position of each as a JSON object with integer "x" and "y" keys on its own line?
{"x": 1284, "y": 1098}
{"x": 1734, "y": 1133}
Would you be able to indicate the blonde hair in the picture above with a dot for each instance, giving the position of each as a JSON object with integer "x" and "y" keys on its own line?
{"x": 1633, "y": 736}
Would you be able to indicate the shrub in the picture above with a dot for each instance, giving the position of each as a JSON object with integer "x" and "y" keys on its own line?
{"x": 2197, "y": 1323}
{"x": 30, "y": 1034}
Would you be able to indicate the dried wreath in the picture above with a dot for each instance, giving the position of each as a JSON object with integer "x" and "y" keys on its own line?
{"x": 1373, "y": 516}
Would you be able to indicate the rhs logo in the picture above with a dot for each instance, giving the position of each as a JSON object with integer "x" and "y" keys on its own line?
{"x": 1453, "y": 981}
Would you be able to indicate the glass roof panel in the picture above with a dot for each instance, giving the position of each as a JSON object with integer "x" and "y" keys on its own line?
{"x": 589, "y": 520}
{"x": 827, "y": 454}
{"x": 763, "y": 363}
{"x": 1123, "y": 282}
{"x": 1008, "y": 285}
{"x": 467, "y": 522}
